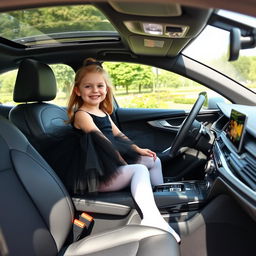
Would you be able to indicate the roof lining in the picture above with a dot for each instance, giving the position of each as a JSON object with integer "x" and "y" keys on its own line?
{"x": 245, "y": 6}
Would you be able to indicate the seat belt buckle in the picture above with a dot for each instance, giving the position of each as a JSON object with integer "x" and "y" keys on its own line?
{"x": 79, "y": 229}
{"x": 82, "y": 226}
{"x": 87, "y": 219}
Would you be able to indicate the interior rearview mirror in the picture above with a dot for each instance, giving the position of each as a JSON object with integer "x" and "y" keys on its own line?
{"x": 234, "y": 44}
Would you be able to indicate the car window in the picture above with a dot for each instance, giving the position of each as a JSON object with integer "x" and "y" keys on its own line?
{"x": 141, "y": 86}
{"x": 64, "y": 77}
{"x": 55, "y": 25}
{"x": 7, "y": 81}
{"x": 213, "y": 44}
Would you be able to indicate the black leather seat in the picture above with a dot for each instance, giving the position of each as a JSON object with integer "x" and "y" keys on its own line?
{"x": 39, "y": 121}
{"x": 36, "y": 211}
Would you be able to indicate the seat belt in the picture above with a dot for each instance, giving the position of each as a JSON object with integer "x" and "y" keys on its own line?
{"x": 82, "y": 226}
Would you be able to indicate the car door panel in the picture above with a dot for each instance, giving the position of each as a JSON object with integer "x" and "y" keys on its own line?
{"x": 156, "y": 128}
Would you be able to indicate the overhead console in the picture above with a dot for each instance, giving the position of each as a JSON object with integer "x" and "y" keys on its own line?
{"x": 156, "y": 28}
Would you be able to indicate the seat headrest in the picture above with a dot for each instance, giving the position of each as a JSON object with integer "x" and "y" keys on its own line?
{"x": 35, "y": 82}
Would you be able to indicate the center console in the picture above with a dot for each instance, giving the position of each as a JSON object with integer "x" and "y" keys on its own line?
{"x": 180, "y": 196}
{"x": 173, "y": 197}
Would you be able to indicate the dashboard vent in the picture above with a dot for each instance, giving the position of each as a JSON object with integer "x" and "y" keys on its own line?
{"x": 245, "y": 168}
{"x": 250, "y": 170}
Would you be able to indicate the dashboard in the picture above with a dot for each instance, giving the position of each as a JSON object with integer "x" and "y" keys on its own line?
{"x": 235, "y": 167}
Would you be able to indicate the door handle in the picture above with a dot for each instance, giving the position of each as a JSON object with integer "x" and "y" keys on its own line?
{"x": 163, "y": 124}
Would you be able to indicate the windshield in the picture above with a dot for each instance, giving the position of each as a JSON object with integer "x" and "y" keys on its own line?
{"x": 213, "y": 44}
{"x": 54, "y": 24}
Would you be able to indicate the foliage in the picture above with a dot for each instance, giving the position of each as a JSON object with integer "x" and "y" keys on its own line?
{"x": 126, "y": 75}
{"x": 64, "y": 77}
{"x": 151, "y": 100}
{"x": 242, "y": 70}
{"x": 184, "y": 100}
{"x": 243, "y": 66}
{"x": 7, "y": 81}
{"x": 127, "y": 78}
{"x": 23, "y": 23}
{"x": 169, "y": 79}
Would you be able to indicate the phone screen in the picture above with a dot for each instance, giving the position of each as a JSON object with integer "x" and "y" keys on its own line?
{"x": 236, "y": 128}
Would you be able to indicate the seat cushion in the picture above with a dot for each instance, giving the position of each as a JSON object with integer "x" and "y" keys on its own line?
{"x": 127, "y": 241}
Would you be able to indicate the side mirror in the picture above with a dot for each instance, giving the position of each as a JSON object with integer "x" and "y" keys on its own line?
{"x": 237, "y": 42}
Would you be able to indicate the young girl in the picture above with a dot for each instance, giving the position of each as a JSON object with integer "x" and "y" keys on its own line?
{"x": 89, "y": 108}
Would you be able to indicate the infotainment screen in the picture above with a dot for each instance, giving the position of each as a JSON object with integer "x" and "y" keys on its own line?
{"x": 236, "y": 128}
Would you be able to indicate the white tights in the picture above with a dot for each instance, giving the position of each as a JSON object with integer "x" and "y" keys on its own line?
{"x": 154, "y": 167}
{"x": 137, "y": 176}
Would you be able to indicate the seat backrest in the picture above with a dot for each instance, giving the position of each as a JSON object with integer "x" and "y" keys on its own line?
{"x": 36, "y": 211}
{"x": 5, "y": 110}
{"x": 40, "y": 122}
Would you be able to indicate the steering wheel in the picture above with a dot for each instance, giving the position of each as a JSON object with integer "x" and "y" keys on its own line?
{"x": 185, "y": 126}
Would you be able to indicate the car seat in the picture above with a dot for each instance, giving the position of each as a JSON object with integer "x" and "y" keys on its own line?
{"x": 37, "y": 213}
{"x": 39, "y": 121}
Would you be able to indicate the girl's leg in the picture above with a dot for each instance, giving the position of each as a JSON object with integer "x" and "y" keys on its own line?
{"x": 138, "y": 176}
{"x": 154, "y": 167}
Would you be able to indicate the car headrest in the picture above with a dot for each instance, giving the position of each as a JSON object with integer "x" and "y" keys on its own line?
{"x": 35, "y": 82}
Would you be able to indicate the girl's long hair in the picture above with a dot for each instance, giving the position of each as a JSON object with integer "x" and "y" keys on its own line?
{"x": 90, "y": 65}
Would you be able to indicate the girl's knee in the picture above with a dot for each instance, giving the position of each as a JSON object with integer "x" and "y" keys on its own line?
{"x": 141, "y": 168}
{"x": 157, "y": 161}
{"x": 148, "y": 161}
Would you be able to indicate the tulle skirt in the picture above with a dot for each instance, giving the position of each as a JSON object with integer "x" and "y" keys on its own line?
{"x": 85, "y": 160}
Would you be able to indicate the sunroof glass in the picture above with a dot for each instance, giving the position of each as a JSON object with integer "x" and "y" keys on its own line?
{"x": 53, "y": 23}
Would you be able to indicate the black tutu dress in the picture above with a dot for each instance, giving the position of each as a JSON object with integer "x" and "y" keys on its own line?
{"x": 84, "y": 160}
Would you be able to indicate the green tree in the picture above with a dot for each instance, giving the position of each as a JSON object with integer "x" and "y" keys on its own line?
{"x": 252, "y": 71}
{"x": 127, "y": 75}
{"x": 64, "y": 77}
{"x": 142, "y": 76}
{"x": 242, "y": 69}
{"x": 7, "y": 82}
{"x": 19, "y": 24}
{"x": 242, "y": 66}
{"x": 169, "y": 79}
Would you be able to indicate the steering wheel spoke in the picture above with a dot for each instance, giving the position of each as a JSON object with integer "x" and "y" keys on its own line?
{"x": 185, "y": 126}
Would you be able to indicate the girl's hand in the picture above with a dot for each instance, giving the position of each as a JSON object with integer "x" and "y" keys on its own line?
{"x": 146, "y": 152}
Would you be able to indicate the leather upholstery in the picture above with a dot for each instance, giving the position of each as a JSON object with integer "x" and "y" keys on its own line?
{"x": 39, "y": 121}
{"x": 37, "y": 213}
{"x": 35, "y": 82}
{"x": 128, "y": 240}
{"x": 5, "y": 110}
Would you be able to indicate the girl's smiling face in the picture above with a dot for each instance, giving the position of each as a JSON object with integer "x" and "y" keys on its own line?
{"x": 92, "y": 89}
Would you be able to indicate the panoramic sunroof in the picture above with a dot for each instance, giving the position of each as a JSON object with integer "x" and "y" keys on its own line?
{"x": 55, "y": 25}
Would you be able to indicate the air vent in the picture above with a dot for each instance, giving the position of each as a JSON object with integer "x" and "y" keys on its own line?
{"x": 244, "y": 168}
